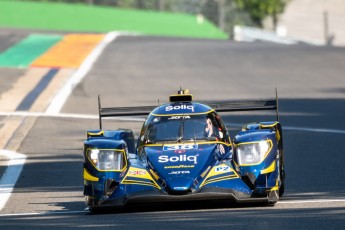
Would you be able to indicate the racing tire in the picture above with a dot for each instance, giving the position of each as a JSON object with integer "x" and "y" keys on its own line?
{"x": 94, "y": 210}
{"x": 282, "y": 189}
{"x": 282, "y": 177}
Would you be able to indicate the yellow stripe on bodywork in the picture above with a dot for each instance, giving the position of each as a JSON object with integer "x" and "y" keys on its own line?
{"x": 278, "y": 135}
{"x": 206, "y": 171}
{"x": 143, "y": 174}
{"x": 89, "y": 177}
{"x": 188, "y": 143}
{"x": 275, "y": 188}
{"x": 271, "y": 126}
{"x": 95, "y": 134}
{"x": 219, "y": 179}
{"x": 154, "y": 174}
{"x": 182, "y": 114}
{"x": 213, "y": 172}
{"x": 270, "y": 168}
{"x": 140, "y": 183}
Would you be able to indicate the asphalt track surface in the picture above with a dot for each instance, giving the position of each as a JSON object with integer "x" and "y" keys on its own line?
{"x": 139, "y": 71}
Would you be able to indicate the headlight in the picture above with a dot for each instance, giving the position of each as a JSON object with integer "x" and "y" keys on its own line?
{"x": 107, "y": 159}
{"x": 252, "y": 153}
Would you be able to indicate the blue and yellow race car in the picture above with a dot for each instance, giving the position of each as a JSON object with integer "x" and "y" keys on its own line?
{"x": 184, "y": 152}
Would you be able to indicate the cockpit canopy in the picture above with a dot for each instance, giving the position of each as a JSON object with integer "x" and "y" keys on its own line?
{"x": 183, "y": 127}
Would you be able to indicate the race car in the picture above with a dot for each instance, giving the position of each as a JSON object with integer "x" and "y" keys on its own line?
{"x": 184, "y": 152}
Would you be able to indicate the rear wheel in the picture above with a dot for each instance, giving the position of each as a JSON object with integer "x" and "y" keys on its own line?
{"x": 282, "y": 179}
{"x": 281, "y": 189}
{"x": 93, "y": 209}
{"x": 281, "y": 174}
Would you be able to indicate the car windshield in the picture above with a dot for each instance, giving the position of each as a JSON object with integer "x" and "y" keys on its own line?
{"x": 181, "y": 128}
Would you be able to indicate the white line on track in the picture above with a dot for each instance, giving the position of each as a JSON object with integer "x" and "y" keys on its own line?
{"x": 311, "y": 201}
{"x": 68, "y": 115}
{"x": 10, "y": 177}
{"x": 59, "y": 100}
{"x": 336, "y": 131}
{"x": 43, "y": 213}
{"x": 89, "y": 116}
{"x": 86, "y": 211}
{"x": 17, "y": 160}
{"x": 303, "y": 129}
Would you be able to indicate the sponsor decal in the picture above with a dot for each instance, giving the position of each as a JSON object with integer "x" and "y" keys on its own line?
{"x": 178, "y": 117}
{"x": 222, "y": 168}
{"x": 180, "y": 158}
{"x": 180, "y": 188}
{"x": 156, "y": 119}
{"x": 179, "y": 151}
{"x": 178, "y": 166}
{"x": 179, "y": 107}
{"x": 179, "y": 147}
{"x": 136, "y": 172}
{"x": 178, "y": 172}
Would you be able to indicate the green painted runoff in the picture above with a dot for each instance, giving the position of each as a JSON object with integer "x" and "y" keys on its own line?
{"x": 25, "y": 52}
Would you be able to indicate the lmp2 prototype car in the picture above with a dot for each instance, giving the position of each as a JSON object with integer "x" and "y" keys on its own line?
{"x": 184, "y": 152}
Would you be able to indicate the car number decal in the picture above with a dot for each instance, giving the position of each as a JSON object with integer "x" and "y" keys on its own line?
{"x": 180, "y": 147}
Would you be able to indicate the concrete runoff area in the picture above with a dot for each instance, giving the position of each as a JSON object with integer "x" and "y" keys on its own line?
{"x": 9, "y": 38}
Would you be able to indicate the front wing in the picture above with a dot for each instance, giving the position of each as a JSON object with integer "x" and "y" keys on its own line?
{"x": 140, "y": 186}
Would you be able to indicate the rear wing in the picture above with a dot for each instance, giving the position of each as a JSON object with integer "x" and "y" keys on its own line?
{"x": 218, "y": 106}
{"x": 122, "y": 111}
{"x": 237, "y": 106}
